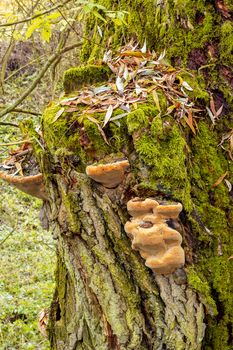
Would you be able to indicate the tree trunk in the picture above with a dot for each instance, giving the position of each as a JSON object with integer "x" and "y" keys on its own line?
{"x": 105, "y": 297}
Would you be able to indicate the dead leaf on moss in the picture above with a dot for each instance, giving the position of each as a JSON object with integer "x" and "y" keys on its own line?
{"x": 220, "y": 180}
{"x": 189, "y": 121}
{"x": 58, "y": 114}
{"x": 96, "y": 122}
{"x": 108, "y": 115}
{"x": 229, "y": 185}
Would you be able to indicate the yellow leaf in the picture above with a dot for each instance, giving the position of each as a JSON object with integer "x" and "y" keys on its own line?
{"x": 156, "y": 99}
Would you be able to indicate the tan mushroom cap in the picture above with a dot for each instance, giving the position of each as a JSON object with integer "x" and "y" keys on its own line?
{"x": 173, "y": 259}
{"x": 169, "y": 210}
{"x": 137, "y": 207}
{"x": 109, "y": 175}
{"x": 32, "y": 185}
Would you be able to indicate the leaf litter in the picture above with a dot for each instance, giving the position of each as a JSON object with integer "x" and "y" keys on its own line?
{"x": 139, "y": 73}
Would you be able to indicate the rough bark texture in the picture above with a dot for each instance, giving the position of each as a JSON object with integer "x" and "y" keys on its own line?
{"x": 105, "y": 297}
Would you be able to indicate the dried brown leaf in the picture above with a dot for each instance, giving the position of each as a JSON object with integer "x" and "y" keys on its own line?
{"x": 96, "y": 122}
{"x": 220, "y": 179}
{"x": 189, "y": 121}
{"x": 58, "y": 114}
{"x": 108, "y": 115}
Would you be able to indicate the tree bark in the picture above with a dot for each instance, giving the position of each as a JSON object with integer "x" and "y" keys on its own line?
{"x": 105, "y": 297}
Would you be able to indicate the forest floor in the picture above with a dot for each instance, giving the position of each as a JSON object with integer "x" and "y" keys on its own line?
{"x": 26, "y": 271}
{"x": 28, "y": 257}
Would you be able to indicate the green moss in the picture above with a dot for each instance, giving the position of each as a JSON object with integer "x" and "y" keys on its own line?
{"x": 198, "y": 86}
{"x": 213, "y": 206}
{"x": 217, "y": 271}
{"x": 75, "y": 78}
{"x": 119, "y": 131}
{"x": 209, "y": 164}
{"x": 201, "y": 285}
{"x": 98, "y": 143}
{"x": 226, "y": 42}
{"x": 162, "y": 148}
{"x": 136, "y": 120}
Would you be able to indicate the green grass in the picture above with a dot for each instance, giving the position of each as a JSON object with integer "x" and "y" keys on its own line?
{"x": 26, "y": 271}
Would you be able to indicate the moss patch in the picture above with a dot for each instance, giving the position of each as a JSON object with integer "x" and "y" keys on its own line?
{"x": 75, "y": 78}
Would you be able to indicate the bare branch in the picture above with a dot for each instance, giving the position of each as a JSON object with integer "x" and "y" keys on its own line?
{"x": 9, "y": 124}
{"x": 18, "y": 110}
{"x": 14, "y": 143}
{"x": 9, "y": 234}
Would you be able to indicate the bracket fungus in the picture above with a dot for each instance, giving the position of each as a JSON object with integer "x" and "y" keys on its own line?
{"x": 32, "y": 185}
{"x": 109, "y": 175}
{"x": 153, "y": 234}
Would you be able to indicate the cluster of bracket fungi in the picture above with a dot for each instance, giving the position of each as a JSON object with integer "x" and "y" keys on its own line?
{"x": 13, "y": 171}
{"x": 153, "y": 226}
{"x": 32, "y": 185}
{"x": 152, "y": 230}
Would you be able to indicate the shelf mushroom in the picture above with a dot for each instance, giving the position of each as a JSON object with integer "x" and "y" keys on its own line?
{"x": 153, "y": 234}
{"x": 32, "y": 185}
{"x": 110, "y": 175}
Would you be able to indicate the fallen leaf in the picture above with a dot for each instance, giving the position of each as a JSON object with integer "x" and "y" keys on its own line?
{"x": 119, "y": 85}
{"x": 108, "y": 115}
{"x": 95, "y": 121}
{"x": 189, "y": 121}
{"x": 212, "y": 106}
{"x": 64, "y": 102}
{"x": 107, "y": 56}
{"x": 220, "y": 179}
{"x": 219, "y": 111}
{"x": 156, "y": 99}
{"x": 126, "y": 73}
{"x": 211, "y": 115}
{"x": 161, "y": 56}
{"x": 186, "y": 86}
{"x": 143, "y": 49}
{"x": 134, "y": 54}
{"x": 100, "y": 89}
{"x": 58, "y": 114}
{"x": 138, "y": 89}
{"x": 119, "y": 116}
{"x": 170, "y": 109}
{"x": 229, "y": 185}
{"x": 100, "y": 31}
{"x": 19, "y": 168}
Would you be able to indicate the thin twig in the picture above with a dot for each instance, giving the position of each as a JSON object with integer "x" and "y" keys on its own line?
{"x": 35, "y": 16}
{"x": 22, "y": 67}
{"x": 18, "y": 110}
{"x": 4, "y": 239}
{"x": 15, "y": 143}
{"x": 5, "y": 60}
{"x": 9, "y": 124}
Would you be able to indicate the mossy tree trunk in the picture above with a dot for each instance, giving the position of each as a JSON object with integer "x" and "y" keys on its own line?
{"x": 105, "y": 297}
